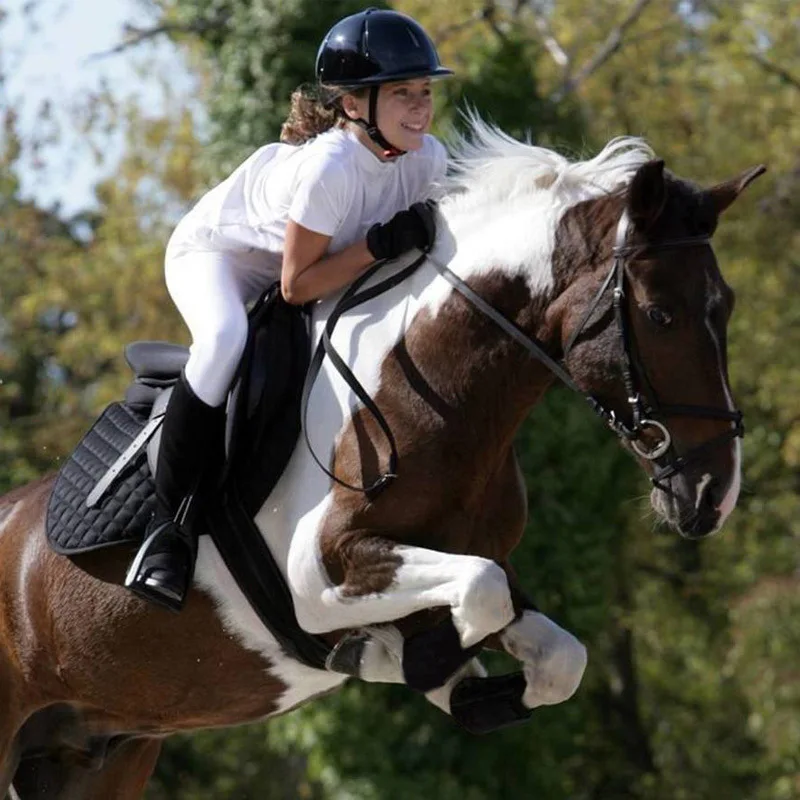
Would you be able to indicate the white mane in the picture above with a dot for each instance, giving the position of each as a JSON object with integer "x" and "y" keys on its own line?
{"x": 503, "y": 201}
{"x": 490, "y": 166}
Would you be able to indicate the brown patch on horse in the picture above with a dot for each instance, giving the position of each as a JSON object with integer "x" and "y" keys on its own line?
{"x": 453, "y": 392}
{"x": 75, "y": 639}
{"x": 23, "y": 492}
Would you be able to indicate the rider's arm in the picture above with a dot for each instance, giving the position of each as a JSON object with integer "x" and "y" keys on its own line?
{"x": 308, "y": 273}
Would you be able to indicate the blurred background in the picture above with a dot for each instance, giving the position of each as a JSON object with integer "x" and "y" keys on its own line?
{"x": 116, "y": 115}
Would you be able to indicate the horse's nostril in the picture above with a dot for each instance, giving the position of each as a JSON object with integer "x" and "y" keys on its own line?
{"x": 707, "y": 494}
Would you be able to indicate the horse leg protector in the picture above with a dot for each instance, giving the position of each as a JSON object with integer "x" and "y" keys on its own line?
{"x": 347, "y": 654}
{"x": 482, "y": 705}
{"x": 433, "y": 656}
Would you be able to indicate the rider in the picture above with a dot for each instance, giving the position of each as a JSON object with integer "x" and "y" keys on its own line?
{"x": 345, "y": 187}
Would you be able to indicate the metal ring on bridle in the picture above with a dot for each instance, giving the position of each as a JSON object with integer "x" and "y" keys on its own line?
{"x": 656, "y": 452}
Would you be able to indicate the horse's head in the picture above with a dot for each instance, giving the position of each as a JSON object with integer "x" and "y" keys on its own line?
{"x": 643, "y": 325}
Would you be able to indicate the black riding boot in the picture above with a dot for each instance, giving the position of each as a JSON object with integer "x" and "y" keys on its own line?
{"x": 191, "y": 434}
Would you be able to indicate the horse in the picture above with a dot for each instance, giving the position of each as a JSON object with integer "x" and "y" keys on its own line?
{"x": 599, "y": 273}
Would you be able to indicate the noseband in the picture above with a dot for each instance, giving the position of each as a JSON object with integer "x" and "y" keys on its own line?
{"x": 642, "y": 413}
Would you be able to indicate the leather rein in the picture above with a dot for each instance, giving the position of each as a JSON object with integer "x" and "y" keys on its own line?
{"x": 643, "y": 413}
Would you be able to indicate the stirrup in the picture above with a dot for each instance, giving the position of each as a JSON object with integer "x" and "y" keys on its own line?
{"x": 156, "y": 577}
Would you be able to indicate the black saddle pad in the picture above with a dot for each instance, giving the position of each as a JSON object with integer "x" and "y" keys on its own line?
{"x": 122, "y": 515}
{"x": 264, "y": 429}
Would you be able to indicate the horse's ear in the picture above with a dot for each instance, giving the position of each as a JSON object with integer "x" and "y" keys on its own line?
{"x": 647, "y": 194}
{"x": 724, "y": 194}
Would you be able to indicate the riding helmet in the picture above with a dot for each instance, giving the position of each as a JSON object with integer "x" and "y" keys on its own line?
{"x": 376, "y": 46}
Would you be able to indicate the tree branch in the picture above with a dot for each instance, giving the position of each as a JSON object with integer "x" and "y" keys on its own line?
{"x": 560, "y": 56}
{"x": 134, "y": 36}
{"x": 442, "y": 34}
{"x": 610, "y": 46}
{"x": 776, "y": 69}
{"x": 485, "y": 14}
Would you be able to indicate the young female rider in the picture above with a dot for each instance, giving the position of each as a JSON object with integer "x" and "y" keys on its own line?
{"x": 314, "y": 216}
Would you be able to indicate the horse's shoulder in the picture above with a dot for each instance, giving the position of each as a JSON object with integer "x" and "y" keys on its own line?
{"x": 33, "y": 489}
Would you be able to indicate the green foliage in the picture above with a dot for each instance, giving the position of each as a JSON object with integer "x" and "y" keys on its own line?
{"x": 237, "y": 763}
{"x": 264, "y": 51}
{"x": 499, "y": 80}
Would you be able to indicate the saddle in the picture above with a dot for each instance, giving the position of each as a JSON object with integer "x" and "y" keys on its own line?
{"x": 104, "y": 495}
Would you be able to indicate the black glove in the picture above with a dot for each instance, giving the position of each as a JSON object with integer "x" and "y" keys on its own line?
{"x": 405, "y": 230}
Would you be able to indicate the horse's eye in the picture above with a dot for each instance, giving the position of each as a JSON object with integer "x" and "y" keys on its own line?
{"x": 660, "y": 317}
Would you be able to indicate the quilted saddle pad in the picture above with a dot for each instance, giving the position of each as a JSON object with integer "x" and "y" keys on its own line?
{"x": 122, "y": 513}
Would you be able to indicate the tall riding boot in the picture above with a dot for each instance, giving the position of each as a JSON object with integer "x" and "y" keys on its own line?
{"x": 192, "y": 432}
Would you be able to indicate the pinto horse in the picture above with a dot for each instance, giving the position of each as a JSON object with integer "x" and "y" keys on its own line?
{"x": 599, "y": 272}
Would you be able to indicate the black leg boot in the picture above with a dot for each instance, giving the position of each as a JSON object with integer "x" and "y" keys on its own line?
{"x": 192, "y": 432}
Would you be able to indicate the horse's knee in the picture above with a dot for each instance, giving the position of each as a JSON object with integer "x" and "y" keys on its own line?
{"x": 484, "y": 605}
{"x": 553, "y": 659}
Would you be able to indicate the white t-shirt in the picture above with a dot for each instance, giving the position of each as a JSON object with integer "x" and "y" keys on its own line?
{"x": 333, "y": 185}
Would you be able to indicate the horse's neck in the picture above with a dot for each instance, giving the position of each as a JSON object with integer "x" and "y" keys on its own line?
{"x": 463, "y": 372}
{"x": 426, "y": 354}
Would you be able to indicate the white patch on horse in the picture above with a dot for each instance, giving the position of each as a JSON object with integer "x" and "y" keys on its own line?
{"x": 506, "y": 202}
{"x": 242, "y": 622}
{"x": 553, "y": 660}
{"x": 732, "y": 494}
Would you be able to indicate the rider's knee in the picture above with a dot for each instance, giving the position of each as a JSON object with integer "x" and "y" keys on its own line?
{"x": 225, "y": 342}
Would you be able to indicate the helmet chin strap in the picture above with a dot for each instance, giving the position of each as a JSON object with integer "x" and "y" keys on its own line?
{"x": 372, "y": 130}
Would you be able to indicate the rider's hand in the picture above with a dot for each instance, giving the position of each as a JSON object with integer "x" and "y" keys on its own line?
{"x": 407, "y": 229}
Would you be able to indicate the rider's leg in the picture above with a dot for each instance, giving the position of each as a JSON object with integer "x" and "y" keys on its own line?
{"x": 210, "y": 293}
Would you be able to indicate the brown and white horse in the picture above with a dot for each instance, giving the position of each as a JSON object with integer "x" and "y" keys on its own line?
{"x": 604, "y": 265}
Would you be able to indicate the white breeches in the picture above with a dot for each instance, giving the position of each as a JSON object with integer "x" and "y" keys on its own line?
{"x": 211, "y": 291}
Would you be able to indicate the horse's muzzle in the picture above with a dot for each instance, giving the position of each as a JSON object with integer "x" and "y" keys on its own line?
{"x": 693, "y": 510}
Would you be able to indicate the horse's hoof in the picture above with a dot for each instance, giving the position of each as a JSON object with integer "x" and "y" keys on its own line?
{"x": 346, "y": 655}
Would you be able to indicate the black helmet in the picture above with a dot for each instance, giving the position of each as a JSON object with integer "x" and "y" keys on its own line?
{"x": 376, "y": 46}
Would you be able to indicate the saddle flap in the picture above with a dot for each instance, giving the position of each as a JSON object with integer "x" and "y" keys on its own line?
{"x": 264, "y": 406}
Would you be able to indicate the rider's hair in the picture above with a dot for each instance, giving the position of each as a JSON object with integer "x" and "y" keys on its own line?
{"x": 315, "y": 108}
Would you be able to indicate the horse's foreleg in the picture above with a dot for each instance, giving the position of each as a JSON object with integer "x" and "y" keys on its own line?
{"x": 370, "y": 580}
{"x": 11, "y": 720}
{"x": 9, "y": 758}
{"x": 122, "y": 776}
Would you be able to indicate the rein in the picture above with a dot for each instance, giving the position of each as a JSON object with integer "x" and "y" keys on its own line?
{"x": 642, "y": 413}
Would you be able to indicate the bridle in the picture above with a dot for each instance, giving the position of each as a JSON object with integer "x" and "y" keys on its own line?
{"x": 643, "y": 413}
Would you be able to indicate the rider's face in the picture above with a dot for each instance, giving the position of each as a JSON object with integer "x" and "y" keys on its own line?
{"x": 404, "y": 113}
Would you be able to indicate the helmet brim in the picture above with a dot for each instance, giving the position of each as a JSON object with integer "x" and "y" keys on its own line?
{"x": 394, "y": 77}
